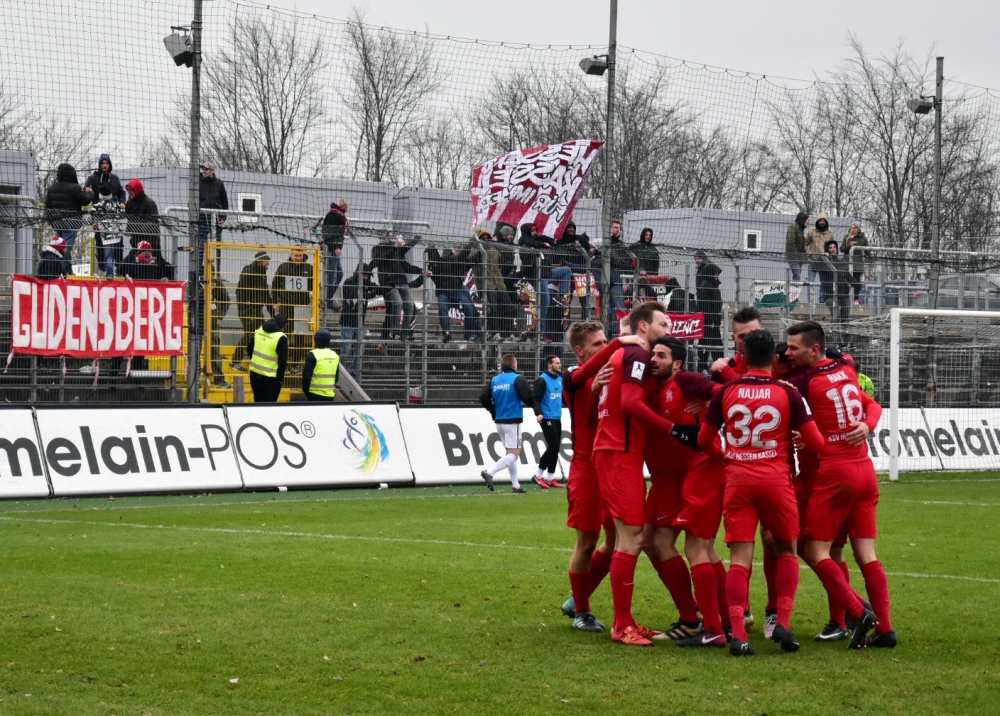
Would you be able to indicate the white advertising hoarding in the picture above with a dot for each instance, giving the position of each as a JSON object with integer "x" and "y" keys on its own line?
{"x": 319, "y": 444}
{"x": 22, "y": 469}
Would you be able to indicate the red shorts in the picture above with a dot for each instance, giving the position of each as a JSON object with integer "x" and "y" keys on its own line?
{"x": 587, "y": 511}
{"x": 773, "y": 506}
{"x": 843, "y": 502}
{"x": 664, "y": 501}
{"x": 623, "y": 485}
{"x": 702, "y": 496}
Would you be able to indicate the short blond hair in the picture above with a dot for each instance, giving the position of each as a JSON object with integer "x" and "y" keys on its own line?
{"x": 581, "y": 330}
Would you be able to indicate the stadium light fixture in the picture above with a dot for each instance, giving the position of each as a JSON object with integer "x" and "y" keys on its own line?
{"x": 920, "y": 105}
{"x": 179, "y": 46}
{"x": 596, "y": 65}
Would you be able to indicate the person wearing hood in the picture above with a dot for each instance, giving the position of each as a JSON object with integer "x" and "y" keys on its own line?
{"x": 499, "y": 311}
{"x": 449, "y": 270}
{"x": 253, "y": 300}
{"x": 709, "y": 298}
{"x": 103, "y": 178}
{"x": 837, "y": 282}
{"x": 144, "y": 264}
{"x": 334, "y": 228}
{"x": 816, "y": 239}
{"x": 106, "y": 217}
{"x": 795, "y": 244}
{"x": 646, "y": 256}
{"x": 142, "y": 216}
{"x": 390, "y": 264}
{"x": 64, "y": 202}
{"x": 537, "y": 268}
{"x": 268, "y": 351}
{"x": 855, "y": 238}
{"x": 321, "y": 370}
{"x": 568, "y": 244}
{"x": 356, "y": 292}
{"x": 52, "y": 260}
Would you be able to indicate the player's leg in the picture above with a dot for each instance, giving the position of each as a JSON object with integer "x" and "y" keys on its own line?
{"x": 630, "y": 542}
{"x": 737, "y": 590}
{"x": 580, "y": 583}
{"x": 553, "y": 440}
{"x": 770, "y": 570}
{"x": 780, "y": 516}
{"x": 588, "y": 565}
{"x": 673, "y": 572}
{"x": 699, "y": 552}
{"x": 510, "y": 438}
{"x": 862, "y": 530}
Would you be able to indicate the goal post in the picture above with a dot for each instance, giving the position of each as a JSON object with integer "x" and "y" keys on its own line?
{"x": 955, "y": 355}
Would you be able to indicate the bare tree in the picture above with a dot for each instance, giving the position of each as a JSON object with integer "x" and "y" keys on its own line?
{"x": 393, "y": 76}
{"x": 439, "y": 154}
{"x": 798, "y": 126}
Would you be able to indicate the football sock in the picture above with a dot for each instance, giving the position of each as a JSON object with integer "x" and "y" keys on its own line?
{"x": 720, "y": 584}
{"x": 676, "y": 578}
{"x": 770, "y": 570}
{"x": 786, "y": 583}
{"x": 706, "y": 590}
{"x": 877, "y": 587}
{"x": 539, "y": 472}
{"x": 622, "y": 586}
{"x": 737, "y": 589}
{"x": 578, "y": 584}
{"x": 837, "y": 587}
{"x": 550, "y": 476}
{"x": 746, "y": 606}
{"x": 837, "y": 613}
{"x": 502, "y": 463}
{"x": 512, "y": 468}
{"x": 600, "y": 565}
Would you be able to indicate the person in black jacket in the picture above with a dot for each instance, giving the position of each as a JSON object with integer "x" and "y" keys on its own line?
{"x": 334, "y": 227}
{"x": 108, "y": 219}
{"x": 211, "y": 195}
{"x": 321, "y": 340}
{"x": 265, "y": 388}
{"x": 292, "y": 293}
{"x": 356, "y": 292}
{"x": 145, "y": 264}
{"x": 253, "y": 300}
{"x": 621, "y": 260}
{"x": 52, "y": 260}
{"x": 707, "y": 282}
{"x": 449, "y": 270}
{"x": 64, "y": 202}
{"x": 646, "y": 256}
{"x": 104, "y": 177}
{"x": 390, "y": 264}
{"x": 142, "y": 215}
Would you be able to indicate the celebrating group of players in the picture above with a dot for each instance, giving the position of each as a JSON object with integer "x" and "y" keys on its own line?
{"x": 633, "y": 403}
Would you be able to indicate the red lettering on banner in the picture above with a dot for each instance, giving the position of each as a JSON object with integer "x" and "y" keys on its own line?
{"x": 84, "y": 319}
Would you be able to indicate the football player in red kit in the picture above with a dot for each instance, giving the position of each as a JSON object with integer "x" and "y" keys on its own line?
{"x": 588, "y": 565}
{"x": 845, "y": 492}
{"x": 696, "y": 508}
{"x": 622, "y": 419}
{"x": 759, "y": 414}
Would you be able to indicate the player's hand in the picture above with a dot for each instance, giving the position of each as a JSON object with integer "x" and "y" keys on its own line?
{"x": 719, "y": 365}
{"x": 797, "y": 440}
{"x": 858, "y": 434}
{"x": 540, "y": 418}
{"x": 630, "y": 340}
{"x": 602, "y": 378}
{"x": 695, "y": 406}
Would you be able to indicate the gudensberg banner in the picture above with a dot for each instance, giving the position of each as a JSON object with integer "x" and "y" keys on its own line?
{"x": 83, "y": 318}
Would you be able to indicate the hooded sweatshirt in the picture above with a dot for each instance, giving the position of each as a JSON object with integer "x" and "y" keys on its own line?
{"x": 569, "y": 241}
{"x": 322, "y": 340}
{"x": 99, "y": 178}
{"x": 65, "y": 200}
{"x": 646, "y": 256}
{"x": 142, "y": 216}
{"x": 51, "y": 263}
{"x": 795, "y": 238}
{"x": 816, "y": 239}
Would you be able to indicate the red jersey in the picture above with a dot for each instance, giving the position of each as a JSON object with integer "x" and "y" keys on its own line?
{"x": 759, "y": 413}
{"x": 832, "y": 391}
{"x": 670, "y": 399}
{"x": 615, "y": 429}
{"x": 582, "y": 403}
{"x": 735, "y": 368}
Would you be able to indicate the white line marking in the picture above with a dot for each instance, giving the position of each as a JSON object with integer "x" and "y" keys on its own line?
{"x": 948, "y": 502}
{"x": 406, "y": 540}
{"x": 904, "y": 481}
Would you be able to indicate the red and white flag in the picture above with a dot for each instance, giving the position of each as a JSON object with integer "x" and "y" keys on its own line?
{"x": 542, "y": 183}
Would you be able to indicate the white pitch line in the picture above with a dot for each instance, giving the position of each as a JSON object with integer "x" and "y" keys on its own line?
{"x": 407, "y": 540}
{"x": 948, "y": 502}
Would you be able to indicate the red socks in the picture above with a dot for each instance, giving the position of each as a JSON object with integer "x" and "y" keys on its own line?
{"x": 622, "y": 586}
{"x": 878, "y": 594}
{"x": 737, "y": 590}
{"x": 706, "y": 589}
{"x": 584, "y": 584}
{"x": 786, "y": 583}
{"x": 770, "y": 571}
{"x": 837, "y": 587}
{"x": 720, "y": 583}
{"x": 676, "y": 578}
{"x": 837, "y": 613}
{"x": 600, "y": 565}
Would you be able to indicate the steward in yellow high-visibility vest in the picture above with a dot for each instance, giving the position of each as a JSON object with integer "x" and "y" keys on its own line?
{"x": 268, "y": 351}
{"x": 319, "y": 373}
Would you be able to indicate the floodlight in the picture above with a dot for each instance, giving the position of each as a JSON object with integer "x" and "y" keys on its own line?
{"x": 596, "y": 65}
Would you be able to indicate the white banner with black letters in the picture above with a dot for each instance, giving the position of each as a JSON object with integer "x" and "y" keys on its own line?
{"x": 22, "y": 470}
{"x": 315, "y": 444}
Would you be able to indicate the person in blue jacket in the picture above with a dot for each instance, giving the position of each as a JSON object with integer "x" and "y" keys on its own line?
{"x": 548, "y": 403}
{"x": 505, "y": 397}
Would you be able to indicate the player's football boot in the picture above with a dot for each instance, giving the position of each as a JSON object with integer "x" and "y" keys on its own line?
{"x": 851, "y": 623}
{"x": 649, "y": 633}
{"x": 747, "y": 618}
{"x": 569, "y": 607}
{"x": 519, "y": 491}
{"x": 585, "y": 621}
{"x": 832, "y": 632}
{"x": 630, "y": 637}
{"x": 866, "y": 623}
{"x": 738, "y": 647}
{"x": 488, "y": 478}
{"x": 785, "y": 638}
{"x": 770, "y": 619}
{"x": 681, "y": 630}
{"x": 704, "y": 638}
{"x": 540, "y": 481}
{"x": 884, "y": 640}
{"x": 555, "y": 483}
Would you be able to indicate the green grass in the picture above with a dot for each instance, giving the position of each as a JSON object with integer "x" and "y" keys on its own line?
{"x": 446, "y": 601}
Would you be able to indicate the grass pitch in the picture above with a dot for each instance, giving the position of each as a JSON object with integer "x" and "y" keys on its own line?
{"x": 447, "y": 601}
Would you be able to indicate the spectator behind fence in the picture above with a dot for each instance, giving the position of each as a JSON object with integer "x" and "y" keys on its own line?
{"x": 856, "y": 238}
{"x": 389, "y": 262}
{"x": 571, "y": 256}
{"x": 795, "y": 244}
{"x": 268, "y": 351}
{"x": 211, "y": 195}
{"x": 104, "y": 177}
{"x": 499, "y": 308}
{"x": 142, "y": 216}
{"x": 816, "y": 239}
{"x": 64, "y": 202}
{"x": 709, "y": 297}
{"x": 220, "y": 307}
{"x": 321, "y": 370}
{"x": 253, "y": 301}
{"x": 448, "y": 271}
{"x": 838, "y": 282}
{"x": 145, "y": 264}
{"x": 52, "y": 260}
{"x": 335, "y": 225}
{"x": 356, "y": 292}
{"x": 647, "y": 259}
{"x": 107, "y": 214}
{"x": 536, "y": 267}
{"x": 621, "y": 260}
{"x": 292, "y": 293}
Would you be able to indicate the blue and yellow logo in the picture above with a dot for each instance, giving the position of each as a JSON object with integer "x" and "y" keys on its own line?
{"x": 365, "y": 439}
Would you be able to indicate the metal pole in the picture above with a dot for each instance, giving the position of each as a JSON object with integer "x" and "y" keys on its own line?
{"x": 609, "y": 129}
{"x": 935, "y": 234}
{"x": 894, "y": 394}
{"x": 194, "y": 330}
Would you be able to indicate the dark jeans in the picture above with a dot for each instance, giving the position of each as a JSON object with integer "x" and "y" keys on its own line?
{"x": 334, "y": 274}
{"x": 552, "y": 430}
{"x": 399, "y": 312}
{"x": 265, "y": 390}
{"x": 499, "y": 313}
{"x": 350, "y": 349}
{"x": 464, "y": 299}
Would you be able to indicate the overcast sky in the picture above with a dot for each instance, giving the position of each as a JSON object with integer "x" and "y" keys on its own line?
{"x": 789, "y": 38}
